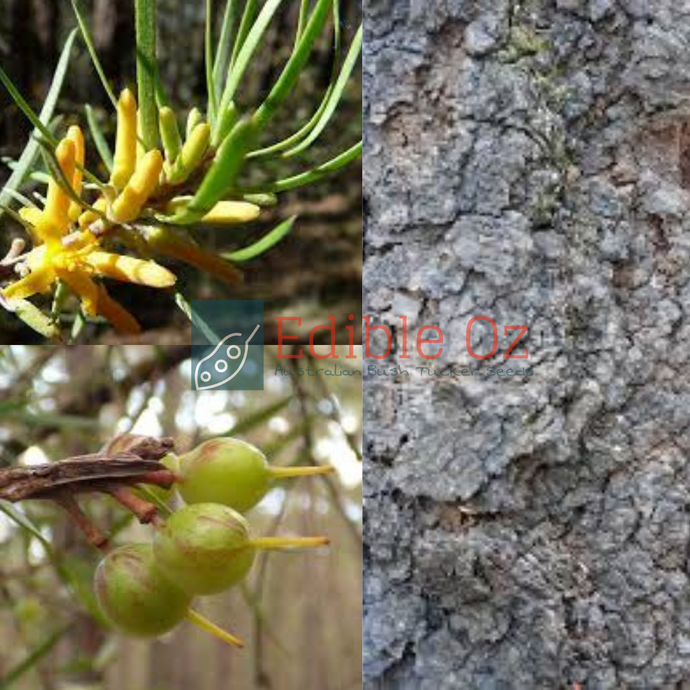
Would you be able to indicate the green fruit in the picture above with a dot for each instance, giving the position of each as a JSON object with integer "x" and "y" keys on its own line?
{"x": 206, "y": 547}
{"x": 232, "y": 472}
{"x": 134, "y": 596}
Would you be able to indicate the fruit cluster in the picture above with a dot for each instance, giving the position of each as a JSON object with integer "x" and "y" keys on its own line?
{"x": 146, "y": 589}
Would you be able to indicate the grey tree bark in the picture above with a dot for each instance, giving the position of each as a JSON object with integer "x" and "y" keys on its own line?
{"x": 530, "y": 162}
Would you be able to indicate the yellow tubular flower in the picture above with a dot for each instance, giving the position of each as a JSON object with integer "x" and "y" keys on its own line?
{"x": 77, "y": 263}
{"x": 223, "y": 213}
{"x": 55, "y": 222}
{"x": 125, "y": 157}
{"x": 88, "y": 217}
{"x": 74, "y": 134}
{"x": 131, "y": 270}
{"x": 231, "y": 213}
{"x": 141, "y": 186}
{"x": 114, "y": 312}
{"x": 31, "y": 215}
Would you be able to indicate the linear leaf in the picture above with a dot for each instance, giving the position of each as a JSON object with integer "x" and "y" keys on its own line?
{"x": 292, "y": 70}
{"x": 25, "y": 523}
{"x": 185, "y": 307}
{"x": 25, "y": 107}
{"x": 222, "y": 59}
{"x": 303, "y": 131}
{"x": 264, "y": 244}
{"x": 30, "y": 152}
{"x": 303, "y": 9}
{"x": 245, "y": 25}
{"x": 208, "y": 59}
{"x": 251, "y": 43}
{"x": 310, "y": 176}
{"x": 333, "y": 100}
{"x": 88, "y": 40}
{"x": 99, "y": 138}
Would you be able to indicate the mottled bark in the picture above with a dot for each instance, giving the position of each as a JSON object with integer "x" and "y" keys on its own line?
{"x": 528, "y": 162}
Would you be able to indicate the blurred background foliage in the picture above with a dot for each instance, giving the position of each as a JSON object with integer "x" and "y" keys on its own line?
{"x": 318, "y": 266}
{"x": 300, "y": 614}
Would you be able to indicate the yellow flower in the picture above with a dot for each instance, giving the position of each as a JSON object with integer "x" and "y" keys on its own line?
{"x": 77, "y": 260}
{"x": 126, "y": 140}
{"x": 140, "y": 187}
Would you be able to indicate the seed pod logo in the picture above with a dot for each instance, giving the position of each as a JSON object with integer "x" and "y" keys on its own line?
{"x": 233, "y": 351}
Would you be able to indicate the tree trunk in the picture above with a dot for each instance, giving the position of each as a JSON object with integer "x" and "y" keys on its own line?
{"x": 528, "y": 162}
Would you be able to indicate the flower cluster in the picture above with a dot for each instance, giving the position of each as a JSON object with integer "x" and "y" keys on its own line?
{"x": 69, "y": 234}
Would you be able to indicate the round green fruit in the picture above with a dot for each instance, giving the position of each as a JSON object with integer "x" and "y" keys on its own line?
{"x": 206, "y": 548}
{"x": 233, "y": 473}
{"x": 133, "y": 594}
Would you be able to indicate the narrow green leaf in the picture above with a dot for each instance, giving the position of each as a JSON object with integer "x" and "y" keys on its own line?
{"x": 24, "y": 201}
{"x": 208, "y": 58}
{"x": 334, "y": 98}
{"x": 186, "y": 308}
{"x": 211, "y": 336}
{"x": 99, "y": 138}
{"x": 226, "y": 121}
{"x": 25, "y": 523}
{"x": 145, "y": 21}
{"x": 264, "y": 244}
{"x": 303, "y": 10}
{"x": 88, "y": 40}
{"x": 183, "y": 304}
{"x": 18, "y": 219}
{"x": 33, "y": 659}
{"x": 295, "y": 138}
{"x": 222, "y": 60}
{"x": 251, "y": 43}
{"x": 26, "y": 108}
{"x": 245, "y": 25}
{"x": 310, "y": 176}
{"x": 292, "y": 70}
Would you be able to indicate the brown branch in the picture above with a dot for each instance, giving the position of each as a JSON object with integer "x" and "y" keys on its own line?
{"x": 92, "y": 533}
